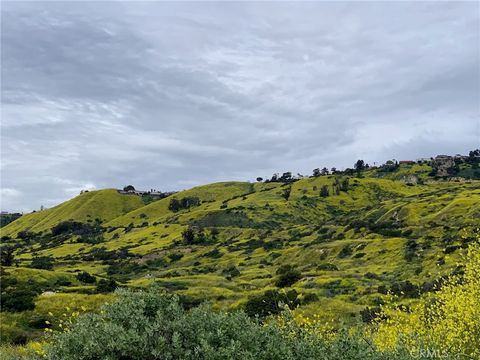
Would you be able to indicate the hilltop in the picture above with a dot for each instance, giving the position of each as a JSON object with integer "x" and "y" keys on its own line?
{"x": 331, "y": 243}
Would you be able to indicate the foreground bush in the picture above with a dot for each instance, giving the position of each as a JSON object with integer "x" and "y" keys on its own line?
{"x": 153, "y": 325}
{"x": 446, "y": 323}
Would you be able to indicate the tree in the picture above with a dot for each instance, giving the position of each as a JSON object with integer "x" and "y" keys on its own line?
{"x": 42, "y": 262}
{"x": 333, "y": 170}
{"x": 324, "y": 171}
{"x": 344, "y": 185}
{"x": 129, "y": 188}
{"x": 324, "y": 191}
{"x": 259, "y": 179}
{"x": 288, "y": 276}
{"x": 286, "y": 177}
{"x": 18, "y": 299}
{"x": 106, "y": 286}
{"x": 271, "y": 302}
{"x": 316, "y": 172}
{"x": 185, "y": 203}
{"x": 214, "y": 232}
{"x": 6, "y": 255}
{"x": 286, "y": 192}
{"x": 85, "y": 277}
{"x": 359, "y": 166}
{"x": 188, "y": 235}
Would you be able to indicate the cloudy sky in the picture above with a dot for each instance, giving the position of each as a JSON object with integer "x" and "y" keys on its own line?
{"x": 171, "y": 95}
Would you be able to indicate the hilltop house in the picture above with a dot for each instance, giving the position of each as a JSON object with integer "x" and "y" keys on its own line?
{"x": 151, "y": 192}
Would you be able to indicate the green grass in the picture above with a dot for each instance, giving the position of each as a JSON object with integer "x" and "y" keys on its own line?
{"x": 103, "y": 204}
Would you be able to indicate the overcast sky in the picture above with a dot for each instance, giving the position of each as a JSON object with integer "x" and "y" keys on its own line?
{"x": 172, "y": 95}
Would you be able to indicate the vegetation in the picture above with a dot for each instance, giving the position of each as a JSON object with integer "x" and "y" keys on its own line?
{"x": 152, "y": 325}
{"x": 380, "y": 246}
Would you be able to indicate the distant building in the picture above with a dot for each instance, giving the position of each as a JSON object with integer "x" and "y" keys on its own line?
{"x": 152, "y": 192}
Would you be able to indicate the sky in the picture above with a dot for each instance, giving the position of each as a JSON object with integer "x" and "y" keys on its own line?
{"x": 169, "y": 95}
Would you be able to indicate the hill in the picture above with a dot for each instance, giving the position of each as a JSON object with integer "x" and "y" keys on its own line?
{"x": 335, "y": 243}
{"x": 104, "y": 205}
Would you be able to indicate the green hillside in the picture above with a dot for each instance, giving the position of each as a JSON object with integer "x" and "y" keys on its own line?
{"x": 341, "y": 242}
{"x": 88, "y": 206}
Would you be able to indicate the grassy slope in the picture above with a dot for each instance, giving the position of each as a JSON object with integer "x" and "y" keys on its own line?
{"x": 103, "y": 204}
{"x": 259, "y": 231}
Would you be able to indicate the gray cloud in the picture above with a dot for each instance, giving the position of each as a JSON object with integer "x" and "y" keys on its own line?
{"x": 169, "y": 95}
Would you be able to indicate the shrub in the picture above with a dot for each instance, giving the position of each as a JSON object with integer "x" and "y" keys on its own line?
{"x": 230, "y": 272}
{"x": 85, "y": 277}
{"x": 42, "y": 262}
{"x": 18, "y": 299}
{"x": 370, "y": 315}
{"x": 288, "y": 276}
{"x": 154, "y": 325}
{"x": 6, "y": 255}
{"x": 106, "y": 286}
{"x": 346, "y": 251}
{"x": 175, "y": 256}
{"x": 324, "y": 191}
{"x": 182, "y": 204}
{"x": 271, "y": 302}
{"x": 327, "y": 267}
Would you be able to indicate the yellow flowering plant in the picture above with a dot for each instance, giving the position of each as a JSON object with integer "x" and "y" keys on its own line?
{"x": 446, "y": 323}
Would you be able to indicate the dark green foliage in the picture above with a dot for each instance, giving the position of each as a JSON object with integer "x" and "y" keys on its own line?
{"x": 346, "y": 251}
{"x": 6, "y": 255}
{"x": 123, "y": 269}
{"x": 225, "y": 219}
{"x": 155, "y": 326}
{"x": 406, "y": 289}
{"x": 286, "y": 192}
{"x": 344, "y": 184}
{"x": 288, "y": 276}
{"x": 230, "y": 272}
{"x": 184, "y": 203}
{"x": 324, "y": 191}
{"x": 410, "y": 249}
{"x": 359, "y": 166}
{"x": 86, "y": 278}
{"x": 215, "y": 254}
{"x": 188, "y": 235}
{"x": 26, "y": 235}
{"x": 175, "y": 256}
{"x": 17, "y": 297}
{"x": 6, "y": 219}
{"x": 370, "y": 315}
{"x": 214, "y": 232}
{"x": 106, "y": 286}
{"x": 327, "y": 267}
{"x": 89, "y": 233}
{"x": 18, "y": 300}
{"x": 271, "y": 302}
{"x": 42, "y": 262}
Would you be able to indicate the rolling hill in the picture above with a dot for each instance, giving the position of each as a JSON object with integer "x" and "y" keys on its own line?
{"x": 336, "y": 243}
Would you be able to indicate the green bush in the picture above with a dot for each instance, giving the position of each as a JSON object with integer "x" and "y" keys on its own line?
{"x": 271, "y": 302}
{"x": 106, "y": 286}
{"x": 287, "y": 276}
{"x": 86, "y": 278}
{"x": 42, "y": 262}
{"x": 149, "y": 325}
